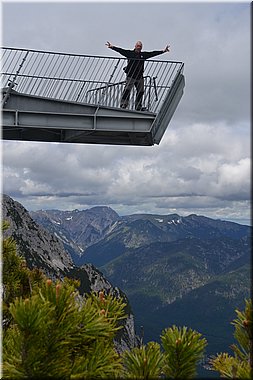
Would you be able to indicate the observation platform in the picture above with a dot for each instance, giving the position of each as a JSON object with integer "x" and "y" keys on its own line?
{"x": 71, "y": 98}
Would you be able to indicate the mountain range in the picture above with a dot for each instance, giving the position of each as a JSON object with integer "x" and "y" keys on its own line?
{"x": 191, "y": 270}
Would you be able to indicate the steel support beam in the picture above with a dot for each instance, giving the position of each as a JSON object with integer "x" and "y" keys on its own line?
{"x": 32, "y": 118}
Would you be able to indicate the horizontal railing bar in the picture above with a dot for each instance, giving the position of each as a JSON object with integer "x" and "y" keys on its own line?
{"x": 56, "y": 78}
{"x": 112, "y": 85}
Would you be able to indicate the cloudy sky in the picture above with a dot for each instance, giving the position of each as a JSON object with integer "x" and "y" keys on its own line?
{"x": 202, "y": 164}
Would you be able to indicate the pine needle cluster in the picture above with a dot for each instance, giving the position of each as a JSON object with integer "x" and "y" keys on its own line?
{"x": 240, "y": 365}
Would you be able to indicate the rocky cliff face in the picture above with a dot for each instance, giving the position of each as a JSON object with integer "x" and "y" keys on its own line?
{"x": 40, "y": 248}
{"x": 43, "y": 250}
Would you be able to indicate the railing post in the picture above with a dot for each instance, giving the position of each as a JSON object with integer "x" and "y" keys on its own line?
{"x": 79, "y": 94}
{"x": 156, "y": 95}
{"x": 149, "y": 91}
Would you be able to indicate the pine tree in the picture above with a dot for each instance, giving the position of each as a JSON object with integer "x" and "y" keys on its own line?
{"x": 184, "y": 348}
{"x": 52, "y": 331}
{"x": 238, "y": 366}
{"x": 143, "y": 363}
{"x": 17, "y": 279}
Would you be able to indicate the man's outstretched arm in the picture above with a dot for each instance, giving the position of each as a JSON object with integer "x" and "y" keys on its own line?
{"x": 150, "y": 54}
{"x": 124, "y": 52}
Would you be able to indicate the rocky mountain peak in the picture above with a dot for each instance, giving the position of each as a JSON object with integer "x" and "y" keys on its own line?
{"x": 77, "y": 229}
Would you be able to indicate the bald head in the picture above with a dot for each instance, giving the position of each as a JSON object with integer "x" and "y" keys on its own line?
{"x": 138, "y": 46}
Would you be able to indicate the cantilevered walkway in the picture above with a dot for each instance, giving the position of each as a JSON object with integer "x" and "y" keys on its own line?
{"x": 70, "y": 98}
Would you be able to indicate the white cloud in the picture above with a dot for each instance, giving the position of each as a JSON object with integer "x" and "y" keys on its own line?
{"x": 234, "y": 179}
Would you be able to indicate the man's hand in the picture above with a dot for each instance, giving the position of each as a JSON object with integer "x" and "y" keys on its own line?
{"x": 167, "y": 48}
{"x": 109, "y": 45}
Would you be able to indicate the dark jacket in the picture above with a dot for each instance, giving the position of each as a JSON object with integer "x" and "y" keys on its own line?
{"x": 135, "y": 66}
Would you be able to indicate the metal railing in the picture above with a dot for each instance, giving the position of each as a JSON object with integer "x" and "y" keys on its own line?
{"x": 79, "y": 78}
{"x": 110, "y": 94}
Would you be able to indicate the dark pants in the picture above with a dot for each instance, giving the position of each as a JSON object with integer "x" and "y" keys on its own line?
{"x": 130, "y": 83}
